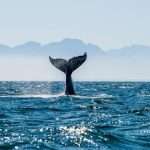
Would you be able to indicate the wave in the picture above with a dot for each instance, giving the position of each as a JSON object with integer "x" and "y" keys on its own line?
{"x": 32, "y": 96}
{"x": 101, "y": 96}
{"x": 45, "y": 96}
{"x": 143, "y": 95}
{"x": 126, "y": 87}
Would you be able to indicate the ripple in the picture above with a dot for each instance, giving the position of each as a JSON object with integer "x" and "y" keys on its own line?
{"x": 105, "y": 116}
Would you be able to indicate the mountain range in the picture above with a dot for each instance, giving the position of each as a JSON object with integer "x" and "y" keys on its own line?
{"x": 66, "y": 47}
{"x": 73, "y": 47}
{"x": 29, "y": 61}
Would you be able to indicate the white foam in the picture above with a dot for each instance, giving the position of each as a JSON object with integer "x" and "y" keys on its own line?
{"x": 126, "y": 87}
{"x": 144, "y": 95}
{"x": 56, "y": 95}
{"x": 33, "y": 96}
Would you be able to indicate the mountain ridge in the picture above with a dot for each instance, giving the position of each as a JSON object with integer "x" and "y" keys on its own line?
{"x": 71, "y": 47}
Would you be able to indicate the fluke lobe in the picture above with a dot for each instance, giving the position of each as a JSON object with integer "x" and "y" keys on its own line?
{"x": 68, "y": 66}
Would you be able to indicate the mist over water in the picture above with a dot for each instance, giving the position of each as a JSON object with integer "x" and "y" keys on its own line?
{"x": 103, "y": 115}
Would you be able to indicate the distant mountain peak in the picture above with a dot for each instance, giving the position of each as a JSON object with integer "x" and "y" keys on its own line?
{"x": 72, "y": 40}
{"x": 32, "y": 43}
{"x": 135, "y": 46}
{"x": 4, "y": 46}
{"x": 29, "y": 44}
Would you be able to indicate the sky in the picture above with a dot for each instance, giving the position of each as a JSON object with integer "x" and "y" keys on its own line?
{"x": 106, "y": 23}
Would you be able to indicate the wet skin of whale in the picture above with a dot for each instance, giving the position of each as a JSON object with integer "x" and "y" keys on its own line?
{"x": 68, "y": 67}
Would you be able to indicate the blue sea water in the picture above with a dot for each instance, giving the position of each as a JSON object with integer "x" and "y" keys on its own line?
{"x": 102, "y": 116}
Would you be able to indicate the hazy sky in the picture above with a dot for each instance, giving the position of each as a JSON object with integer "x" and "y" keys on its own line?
{"x": 107, "y": 23}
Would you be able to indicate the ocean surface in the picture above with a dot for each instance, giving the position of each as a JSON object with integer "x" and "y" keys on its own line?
{"x": 102, "y": 116}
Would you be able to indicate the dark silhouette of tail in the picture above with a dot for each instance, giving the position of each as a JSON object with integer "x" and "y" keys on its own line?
{"x": 68, "y": 67}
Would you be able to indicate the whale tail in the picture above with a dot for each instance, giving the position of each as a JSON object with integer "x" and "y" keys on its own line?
{"x": 68, "y": 67}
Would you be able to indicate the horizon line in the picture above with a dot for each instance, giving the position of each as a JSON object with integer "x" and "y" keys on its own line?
{"x": 75, "y": 80}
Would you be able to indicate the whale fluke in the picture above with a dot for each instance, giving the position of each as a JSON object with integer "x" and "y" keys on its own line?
{"x": 68, "y": 67}
{"x": 60, "y": 64}
{"x": 76, "y": 62}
